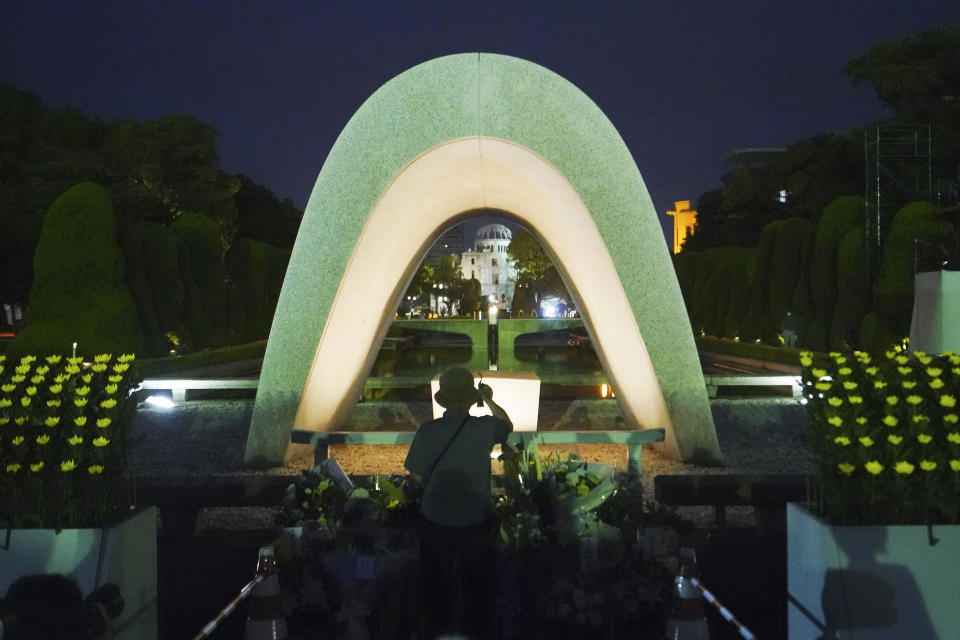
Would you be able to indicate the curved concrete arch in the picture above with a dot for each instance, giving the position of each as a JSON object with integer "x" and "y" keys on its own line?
{"x": 449, "y": 136}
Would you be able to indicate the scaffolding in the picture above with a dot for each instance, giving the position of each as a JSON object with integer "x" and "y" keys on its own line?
{"x": 898, "y": 171}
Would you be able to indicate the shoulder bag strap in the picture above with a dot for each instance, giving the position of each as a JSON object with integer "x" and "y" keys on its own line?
{"x": 426, "y": 476}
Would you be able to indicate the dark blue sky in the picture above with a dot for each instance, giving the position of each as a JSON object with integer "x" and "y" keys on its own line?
{"x": 683, "y": 82}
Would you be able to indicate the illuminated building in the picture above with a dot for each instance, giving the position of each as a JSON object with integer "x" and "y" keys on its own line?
{"x": 489, "y": 263}
{"x": 684, "y": 222}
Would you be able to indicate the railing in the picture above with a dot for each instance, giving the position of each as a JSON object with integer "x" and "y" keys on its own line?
{"x": 715, "y": 382}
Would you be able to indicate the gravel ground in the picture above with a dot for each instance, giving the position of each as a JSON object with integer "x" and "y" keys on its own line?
{"x": 207, "y": 438}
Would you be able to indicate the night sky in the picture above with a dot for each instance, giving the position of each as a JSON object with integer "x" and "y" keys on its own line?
{"x": 684, "y": 82}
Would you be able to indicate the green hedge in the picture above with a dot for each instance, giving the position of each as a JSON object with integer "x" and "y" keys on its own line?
{"x": 164, "y": 367}
{"x": 204, "y": 277}
{"x": 78, "y": 292}
{"x": 758, "y": 322}
{"x": 894, "y": 288}
{"x": 852, "y": 292}
{"x": 839, "y": 217}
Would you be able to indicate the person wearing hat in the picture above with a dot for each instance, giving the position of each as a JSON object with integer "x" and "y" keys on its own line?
{"x": 452, "y": 457}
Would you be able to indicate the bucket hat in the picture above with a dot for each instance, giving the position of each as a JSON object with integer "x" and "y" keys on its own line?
{"x": 456, "y": 388}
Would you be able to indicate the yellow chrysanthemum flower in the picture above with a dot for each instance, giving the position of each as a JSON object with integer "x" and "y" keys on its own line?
{"x": 109, "y": 403}
{"x": 834, "y": 401}
{"x": 874, "y": 467}
{"x": 110, "y": 389}
{"x": 933, "y": 372}
{"x": 72, "y": 369}
{"x": 866, "y": 441}
{"x": 908, "y": 384}
{"x": 846, "y": 468}
{"x": 68, "y": 465}
{"x": 95, "y": 469}
{"x": 834, "y": 354}
{"x": 75, "y": 359}
{"x": 87, "y": 377}
{"x": 42, "y": 440}
{"x": 36, "y": 467}
{"x": 53, "y": 402}
{"x": 923, "y": 358}
{"x": 22, "y": 369}
{"x": 892, "y": 400}
{"x": 822, "y": 386}
{"x": 82, "y": 391}
{"x": 126, "y": 357}
{"x": 902, "y": 359}
{"x": 25, "y": 401}
{"x": 936, "y": 383}
{"x": 904, "y": 371}
{"x": 817, "y": 372}
{"x": 861, "y": 419}
{"x": 121, "y": 367}
{"x": 98, "y": 368}
{"x": 890, "y": 421}
{"x": 13, "y": 467}
{"x": 928, "y": 465}
{"x": 894, "y": 439}
{"x": 890, "y": 353}
{"x": 904, "y": 467}
{"x": 914, "y": 399}
{"x": 924, "y": 438}
{"x": 17, "y": 379}
{"x": 17, "y": 440}
{"x": 806, "y": 358}
{"x": 840, "y": 359}
{"x": 103, "y": 423}
{"x": 80, "y": 421}
{"x": 4, "y": 420}
{"x": 835, "y": 421}
{"x": 36, "y": 380}
{"x": 845, "y": 371}
{"x": 871, "y": 371}
{"x": 842, "y": 440}
{"x": 103, "y": 357}
{"x": 918, "y": 418}
{"x": 52, "y": 421}
{"x": 955, "y": 465}
{"x": 56, "y": 388}
{"x": 54, "y": 359}
{"x": 951, "y": 418}
{"x": 955, "y": 371}
{"x": 20, "y": 420}
{"x": 31, "y": 390}
{"x": 954, "y": 437}
{"x": 115, "y": 378}
{"x": 947, "y": 401}
{"x": 855, "y": 399}
{"x": 80, "y": 402}
{"x": 75, "y": 439}
{"x": 849, "y": 385}
{"x": 100, "y": 441}
{"x": 5, "y": 402}
{"x": 7, "y": 388}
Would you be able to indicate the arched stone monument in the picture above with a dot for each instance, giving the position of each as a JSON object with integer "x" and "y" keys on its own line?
{"x": 446, "y": 138}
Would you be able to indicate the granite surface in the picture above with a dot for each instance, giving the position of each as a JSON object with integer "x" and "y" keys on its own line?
{"x": 478, "y": 95}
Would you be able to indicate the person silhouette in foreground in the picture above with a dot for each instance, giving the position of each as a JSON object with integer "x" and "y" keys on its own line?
{"x": 451, "y": 455}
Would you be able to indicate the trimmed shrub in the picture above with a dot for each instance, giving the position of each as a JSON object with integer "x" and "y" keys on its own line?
{"x": 206, "y": 304}
{"x": 705, "y": 317}
{"x": 785, "y": 269}
{"x": 758, "y": 322}
{"x": 893, "y": 298}
{"x": 734, "y": 281}
{"x": 839, "y": 217}
{"x": 685, "y": 264}
{"x": 161, "y": 259}
{"x": 251, "y": 265}
{"x": 802, "y": 295}
{"x": 132, "y": 242}
{"x": 852, "y": 292}
{"x": 78, "y": 293}
{"x": 876, "y": 335}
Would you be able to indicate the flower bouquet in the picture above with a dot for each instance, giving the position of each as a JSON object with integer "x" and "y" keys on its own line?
{"x": 886, "y": 434}
{"x": 62, "y": 442}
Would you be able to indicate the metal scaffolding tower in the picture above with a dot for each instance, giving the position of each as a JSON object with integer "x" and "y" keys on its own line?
{"x": 899, "y": 171}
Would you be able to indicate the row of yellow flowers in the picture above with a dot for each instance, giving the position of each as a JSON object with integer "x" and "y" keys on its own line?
{"x": 60, "y": 416}
{"x": 886, "y": 432}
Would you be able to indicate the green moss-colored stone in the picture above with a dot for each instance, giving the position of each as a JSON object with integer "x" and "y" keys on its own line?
{"x": 469, "y": 95}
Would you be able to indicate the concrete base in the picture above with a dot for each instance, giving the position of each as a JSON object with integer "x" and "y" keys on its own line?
{"x": 124, "y": 554}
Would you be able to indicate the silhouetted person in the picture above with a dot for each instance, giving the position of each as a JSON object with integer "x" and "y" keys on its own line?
{"x": 452, "y": 456}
